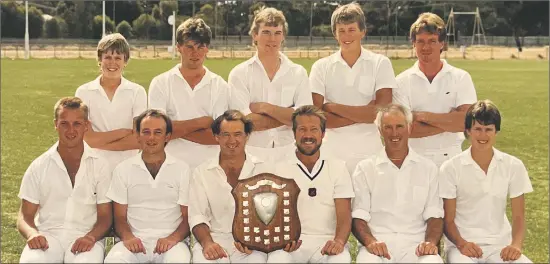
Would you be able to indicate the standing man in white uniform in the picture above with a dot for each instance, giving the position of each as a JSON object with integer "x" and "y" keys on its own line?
{"x": 113, "y": 102}
{"x": 324, "y": 202}
{"x": 437, "y": 93}
{"x": 66, "y": 187}
{"x": 150, "y": 192}
{"x": 211, "y": 204}
{"x": 397, "y": 213}
{"x": 269, "y": 87}
{"x": 474, "y": 186}
{"x": 191, "y": 95}
{"x": 349, "y": 85}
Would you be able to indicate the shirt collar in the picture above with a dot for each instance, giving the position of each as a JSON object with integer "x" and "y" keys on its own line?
{"x": 285, "y": 62}
{"x": 54, "y": 154}
{"x": 136, "y": 160}
{"x": 365, "y": 55}
{"x": 446, "y": 68}
{"x": 215, "y": 161}
{"x": 466, "y": 156}
{"x": 176, "y": 71}
{"x": 382, "y": 157}
{"x": 96, "y": 84}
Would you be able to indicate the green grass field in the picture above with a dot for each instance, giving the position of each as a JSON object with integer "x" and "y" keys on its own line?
{"x": 31, "y": 88}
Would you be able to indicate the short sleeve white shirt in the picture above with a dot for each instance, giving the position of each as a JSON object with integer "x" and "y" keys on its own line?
{"x": 481, "y": 198}
{"x": 451, "y": 88}
{"x": 396, "y": 200}
{"x": 210, "y": 199}
{"x": 328, "y": 180}
{"x": 289, "y": 88}
{"x": 129, "y": 101}
{"x": 63, "y": 209}
{"x": 153, "y": 204}
{"x": 332, "y": 78}
{"x": 171, "y": 93}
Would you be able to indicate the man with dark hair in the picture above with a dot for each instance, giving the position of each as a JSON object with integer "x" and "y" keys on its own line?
{"x": 324, "y": 202}
{"x": 211, "y": 204}
{"x": 66, "y": 187}
{"x": 150, "y": 193}
{"x": 191, "y": 95}
{"x": 437, "y": 93}
{"x": 474, "y": 186}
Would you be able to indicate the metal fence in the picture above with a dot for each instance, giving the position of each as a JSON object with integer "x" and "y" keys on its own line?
{"x": 497, "y": 47}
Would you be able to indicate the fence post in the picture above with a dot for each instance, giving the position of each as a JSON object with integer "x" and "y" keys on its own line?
{"x": 17, "y": 52}
{"x": 79, "y": 55}
{"x": 546, "y": 52}
{"x": 54, "y": 54}
{"x": 492, "y": 58}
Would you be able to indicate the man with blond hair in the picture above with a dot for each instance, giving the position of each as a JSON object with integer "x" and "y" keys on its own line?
{"x": 113, "y": 101}
{"x": 349, "y": 85}
{"x": 268, "y": 87}
{"x": 64, "y": 211}
{"x": 397, "y": 212}
{"x": 437, "y": 93}
{"x": 191, "y": 95}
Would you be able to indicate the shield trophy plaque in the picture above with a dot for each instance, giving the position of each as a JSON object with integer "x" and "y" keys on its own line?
{"x": 266, "y": 217}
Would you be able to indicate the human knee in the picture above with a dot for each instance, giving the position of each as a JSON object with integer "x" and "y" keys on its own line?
{"x": 454, "y": 256}
{"x": 279, "y": 256}
{"x": 430, "y": 259}
{"x": 343, "y": 257}
{"x": 40, "y": 256}
{"x": 178, "y": 254}
{"x": 366, "y": 257}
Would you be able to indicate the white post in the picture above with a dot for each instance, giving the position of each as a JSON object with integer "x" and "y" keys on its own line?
{"x": 27, "y": 48}
{"x": 103, "y": 35}
{"x": 174, "y": 36}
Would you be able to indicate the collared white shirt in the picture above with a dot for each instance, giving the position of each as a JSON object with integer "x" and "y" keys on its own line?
{"x": 332, "y": 78}
{"x": 329, "y": 180}
{"x": 129, "y": 101}
{"x": 171, "y": 93}
{"x": 153, "y": 204}
{"x": 397, "y": 200}
{"x": 65, "y": 210}
{"x": 451, "y": 88}
{"x": 289, "y": 88}
{"x": 210, "y": 198}
{"x": 481, "y": 198}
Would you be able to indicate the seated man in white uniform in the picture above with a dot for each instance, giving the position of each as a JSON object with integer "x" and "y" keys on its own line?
{"x": 269, "y": 87}
{"x": 349, "y": 85}
{"x": 474, "y": 186}
{"x": 149, "y": 193}
{"x": 211, "y": 204}
{"x": 437, "y": 93}
{"x": 114, "y": 102}
{"x": 191, "y": 95}
{"x": 397, "y": 213}
{"x": 324, "y": 202}
{"x": 66, "y": 187}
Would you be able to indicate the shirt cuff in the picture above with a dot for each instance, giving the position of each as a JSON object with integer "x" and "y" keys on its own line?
{"x": 116, "y": 199}
{"x": 434, "y": 212}
{"x": 361, "y": 214}
{"x": 197, "y": 220}
{"x": 27, "y": 198}
{"x": 447, "y": 195}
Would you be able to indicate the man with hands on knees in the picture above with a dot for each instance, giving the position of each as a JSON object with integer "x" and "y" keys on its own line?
{"x": 397, "y": 213}
{"x": 211, "y": 204}
{"x": 474, "y": 186}
{"x": 66, "y": 187}
{"x": 324, "y": 202}
{"x": 150, "y": 192}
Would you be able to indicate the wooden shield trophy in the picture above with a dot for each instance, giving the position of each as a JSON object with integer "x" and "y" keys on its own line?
{"x": 266, "y": 217}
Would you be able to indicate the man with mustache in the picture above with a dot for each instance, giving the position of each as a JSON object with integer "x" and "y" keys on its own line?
{"x": 437, "y": 93}
{"x": 269, "y": 87}
{"x": 397, "y": 212}
{"x": 150, "y": 196}
{"x": 211, "y": 204}
{"x": 324, "y": 202}
{"x": 65, "y": 187}
{"x": 349, "y": 85}
{"x": 191, "y": 95}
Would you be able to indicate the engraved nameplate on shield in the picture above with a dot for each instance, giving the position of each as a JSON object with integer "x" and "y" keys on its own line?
{"x": 266, "y": 206}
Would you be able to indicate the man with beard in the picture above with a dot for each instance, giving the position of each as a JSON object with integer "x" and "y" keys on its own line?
{"x": 437, "y": 93}
{"x": 269, "y": 87}
{"x": 150, "y": 192}
{"x": 349, "y": 85}
{"x": 191, "y": 95}
{"x": 324, "y": 202}
{"x": 64, "y": 212}
{"x": 397, "y": 212}
{"x": 211, "y": 204}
